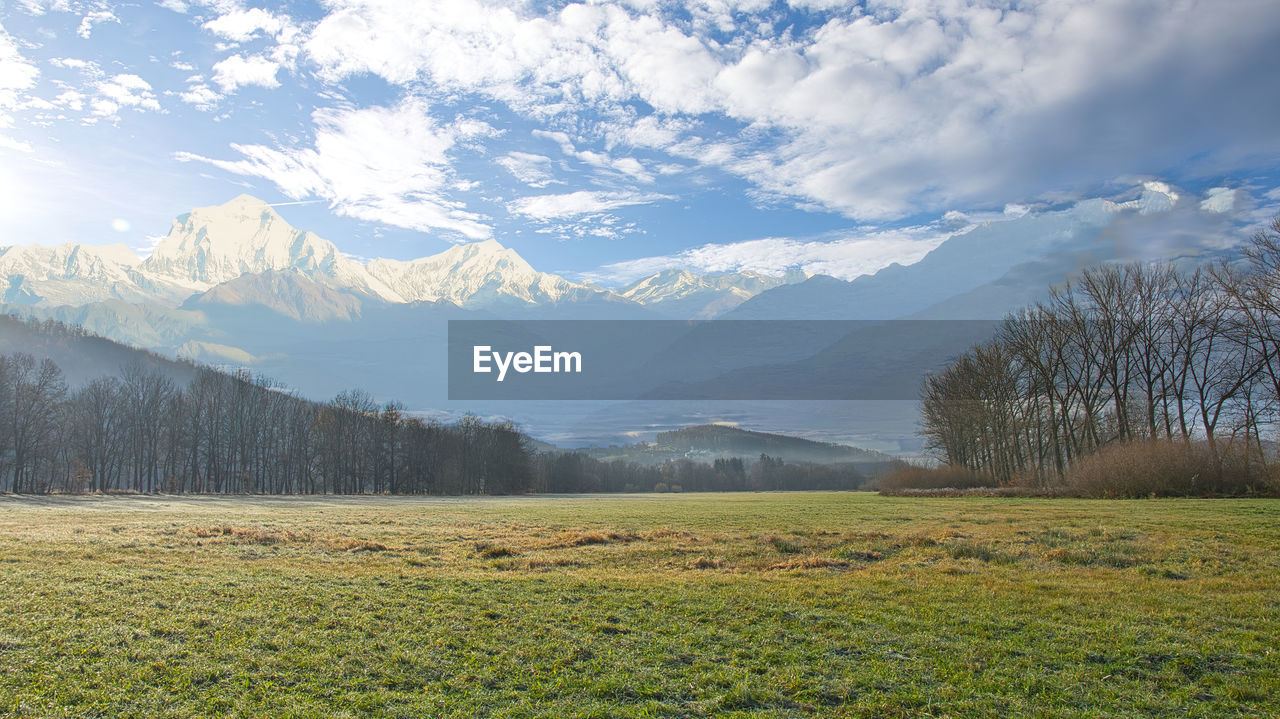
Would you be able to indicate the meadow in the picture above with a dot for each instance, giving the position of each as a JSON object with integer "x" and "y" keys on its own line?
{"x": 762, "y": 605}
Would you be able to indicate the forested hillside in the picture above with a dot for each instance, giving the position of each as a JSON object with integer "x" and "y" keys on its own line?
{"x": 129, "y": 420}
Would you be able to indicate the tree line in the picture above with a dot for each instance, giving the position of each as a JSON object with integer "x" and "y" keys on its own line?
{"x": 238, "y": 433}
{"x": 1124, "y": 354}
{"x": 234, "y": 433}
{"x": 573, "y": 472}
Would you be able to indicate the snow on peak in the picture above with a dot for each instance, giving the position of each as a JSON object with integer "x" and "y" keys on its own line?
{"x": 118, "y": 253}
{"x": 211, "y": 245}
{"x": 471, "y": 272}
{"x": 686, "y": 294}
{"x": 245, "y": 235}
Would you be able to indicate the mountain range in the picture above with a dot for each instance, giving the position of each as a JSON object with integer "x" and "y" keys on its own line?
{"x": 235, "y": 284}
{"x": 243, "y": 251}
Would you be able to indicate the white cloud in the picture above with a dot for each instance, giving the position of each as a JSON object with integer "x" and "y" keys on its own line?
{"x": 1156, "y": 197}
{"x": 201, "y": 96}
{"x": 238, "y": 71}
{"x": 73, "y": 63}
{"x": 877, "y": 111}
{"x": 593, "y": 226}
{"x": 389, "y": 165}
{"x": 241, "y": 25}
{"x": 13, "y": 144}
{"x": 1219, "y": 200}
{"x": 71, "y": 99}
{"x": 17, "y": 74}
{"x": 97, "y": 17}
{"x": 625, "y": 165}
{"x": 547, "y": 207}
{"x": 532, "y": 170}
{"x": 582, "y": 54}
{"x": 123, "y": 90}
{"x": 845, "y": 257}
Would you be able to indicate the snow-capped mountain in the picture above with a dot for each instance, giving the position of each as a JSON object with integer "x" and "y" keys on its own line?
{"x": 478, "y": 272}
{"x": 244, "y": 243}
{"x": 74, "y": 274}
{"x": 212, "y": 245}
{"x": 681, "y": 293}
{"x": 1055, "y": 244}
{"x": 289, "y": 293}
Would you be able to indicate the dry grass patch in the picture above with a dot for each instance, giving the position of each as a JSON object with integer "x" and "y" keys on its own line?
{"x": 493, "y": 550}
{"x": 356, "y": 545}
{"x": 584, "y": 538}
{"x": 707, "y": 563}
{"x": 249, "y": 535}
{"x": 862, "y": 555}
{"x": 667, "y": 533}
{"x": 810, "y": 562}
{"x": 554, "y": 563}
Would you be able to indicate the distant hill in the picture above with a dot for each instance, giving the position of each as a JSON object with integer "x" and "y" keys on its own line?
{"x": 708, "y": 442}
{"x": 81, "y": 355}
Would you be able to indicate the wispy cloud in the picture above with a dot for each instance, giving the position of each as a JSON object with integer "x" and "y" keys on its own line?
{"x": 572, "y": 204}
{"x": 533, "y": 170}
{"x": 844, "y": 257}
{"x": 17, "y": 75}
{"x": 628, "y": 166}
{"x": 97, "y": 17}
{"x": 388, "y": 165}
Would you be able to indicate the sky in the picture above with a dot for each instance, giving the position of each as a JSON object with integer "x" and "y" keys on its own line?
{"x": 609, "y": 140}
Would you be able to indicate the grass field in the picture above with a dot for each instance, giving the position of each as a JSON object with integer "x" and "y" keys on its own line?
{"x": 799, "y": 604}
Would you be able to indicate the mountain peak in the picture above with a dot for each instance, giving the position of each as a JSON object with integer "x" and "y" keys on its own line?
{"x": 245, "y": 201}
{"x": 245, "y": 235}
{"x": 212, "y": 245}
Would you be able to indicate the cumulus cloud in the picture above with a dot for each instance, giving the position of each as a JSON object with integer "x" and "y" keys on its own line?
{"x": 201, "y": 96}
{"x": 238, "y": 71}
{"x": 583, "y": 202}
{"x": 96, "y": 17}
{"x": 242, "y": 25}
{"x": 383, "y": 164}
{"x": 875, "y": 110}
{"x": 123, "y": 90}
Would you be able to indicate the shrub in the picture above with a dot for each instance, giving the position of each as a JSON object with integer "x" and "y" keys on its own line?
{"x": 947, "y": 477}
{"x": 1164, "y": 469}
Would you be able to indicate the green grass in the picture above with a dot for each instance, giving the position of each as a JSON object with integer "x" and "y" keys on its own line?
{"x": 771, "y": 605}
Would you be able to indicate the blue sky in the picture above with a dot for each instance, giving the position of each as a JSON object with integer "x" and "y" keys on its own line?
{"x": 607, "y": 140}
